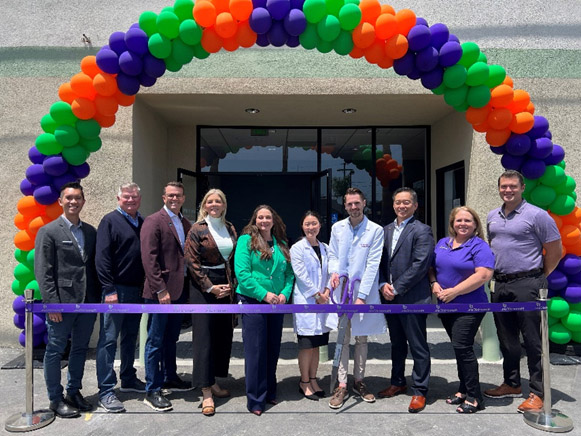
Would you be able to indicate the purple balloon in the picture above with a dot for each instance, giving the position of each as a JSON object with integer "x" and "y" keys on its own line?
{"x": 19, "y": 320}
{"x": 414, "y": 74}
{"x": 136, "y": 40}
{"x": 552, "y": 293}
{"x": 557, "y": 280}
{"x": 548, "y": 134}
{"x": 59, "y": 181}
{"x": 135, "y": 26}
{"x": 117, "y": 42}
{"x": 419, "y": 37}
{"x": 146, "y": 80}
{"x": 427, "y": 59}
{"x": 35, "y": 156}
{"x": 260, "y": 21}
{"x": 295, "y": 22}
{"x": 556, "y": 156}
{"x": 261, "y": 41}
{"x": 533, "y": 169}
{"x": 36, "y": 175}
{"x": 130, "y": 63}
{"x": 540, "y": 127}
{"x": 128, "y": 85}
{"x": 573, "y": 293}
{"x": 26, "y": 187}
{"x": 38, "y": 323}
{"x": 293, "y": 41}
{"x": 153, "y": 66}
{"x": 277, "y": 36}
{"x": 433, "y": 79}
{"x": 46, "y": 195}
{"x": 19, "y": 305}
{"x": 108, "y": 60}
{"x": 450, "y": 54}
{"x": 36, "y": 339}
{"x": 404, "y": 65}
{"x": 498, "y": 150}
{"x": 55, "y": 166}
{"x": 440, "y": 35}
{"x": 511, "y": 162}
{"x": 570, "y": 264}
{"x": 421, "y": 22}
{"x": 518, "y": 145}
{"x": 278, "y": 8}
{"x": 297, "y": 4}
{"x": 80, "y": 171}
{"x": 454, "y": 38}
{"x": 541, "y": 148}
{"x": 258, "y": 4}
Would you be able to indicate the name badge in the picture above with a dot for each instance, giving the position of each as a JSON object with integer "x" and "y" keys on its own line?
{"x": 67, "y": 242}
{"x": 365, "y": 245}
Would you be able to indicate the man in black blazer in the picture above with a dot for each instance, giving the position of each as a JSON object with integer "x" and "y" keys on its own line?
{"x": 64, "y": 266}
{"x": 407, "y": 255}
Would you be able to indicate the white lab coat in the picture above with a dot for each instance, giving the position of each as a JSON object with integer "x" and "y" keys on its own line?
{"x": 311, "y": 277}
{"x": 359, "y": 257}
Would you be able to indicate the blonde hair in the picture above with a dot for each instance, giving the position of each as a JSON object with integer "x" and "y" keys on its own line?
{"x": 202, "y": 213}
{"x": 477, "y": 231}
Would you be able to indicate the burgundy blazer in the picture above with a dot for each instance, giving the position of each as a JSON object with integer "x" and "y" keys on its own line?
{"x": 162, "y": 255}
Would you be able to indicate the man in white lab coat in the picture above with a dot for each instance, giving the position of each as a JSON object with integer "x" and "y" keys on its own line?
{"x": 355, "y": 250}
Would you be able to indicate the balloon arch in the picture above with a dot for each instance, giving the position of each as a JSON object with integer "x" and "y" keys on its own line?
{"x": 387, "y": 38}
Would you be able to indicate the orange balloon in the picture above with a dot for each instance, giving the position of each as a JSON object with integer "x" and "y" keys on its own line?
{"x": 82, "y": 85}
{"x": 508, "y": 81}
{"x": 387, "y": 9}
{"x": 105, "y": 84}
{"x": 520, "y": 101}
{"x": 241, "y": 9}
{"x": 393, "y": 173}
{"x": 104, "y": 120}
{"x": 225, "y": 26}
{"x": 83, "y": 108}
{"x": 570, "y": 235}
{"x": 522, "y": 122}
{"x": 66, "y": 93}
{"x": 482, "y": 127}
{"x": 573, "y": 249}
{"x": 53, "y": 211}
{"x": 387, "y": 157}
{"x": 496, "y": 138}
{"x": 245, "y": 36}
{"x": 396, "y": 46}
{"x": 558, "y": 219}
{"x": 356, "y": 53}
{"x": 106, "y": 105}
{"x": 385, "y": 63}
{"x": 370, "y": 10}
{"x": 477, "y": 115}
{"x": 221, "y": 5}
{"x": 499, "y": 119}
{"x": 363, "y": 35}
{"x": 392, "y": 164}
{"x": 89, "y": 66}
{"x": 124, "y": 100}
{"x": 572, "y": 218}
{"x": 24, "y": 240}
{"x": 231, "y": 44}
{"x": 501, "y": 96}
{"x": 406, "y": 19}
{"x": 531, "y": 108}
{"x": 211, "y": 42}
{"x": 385, "y": 26}
{"x": 28, "y": 206}
{"x": 204, "y": 13}
{"x": 37, "y": 223}
{"x": 375, "y": 52}
{"x": 21, "y": 222}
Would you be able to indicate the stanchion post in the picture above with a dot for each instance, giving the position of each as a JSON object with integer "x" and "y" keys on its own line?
{"x": 30, "y": 420}
{"x": 548, "y": 419}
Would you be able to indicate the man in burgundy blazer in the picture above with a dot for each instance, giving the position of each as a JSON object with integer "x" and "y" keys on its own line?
{"x": 162, "y": 253}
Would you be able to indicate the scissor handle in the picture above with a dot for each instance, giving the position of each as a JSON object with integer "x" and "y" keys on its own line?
{"x": 344, "y": 296}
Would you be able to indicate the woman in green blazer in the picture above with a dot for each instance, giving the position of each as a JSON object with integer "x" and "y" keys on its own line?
{"x": 264, "y": 273}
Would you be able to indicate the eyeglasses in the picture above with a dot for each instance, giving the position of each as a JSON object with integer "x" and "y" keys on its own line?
{"x": 174, "y": 195}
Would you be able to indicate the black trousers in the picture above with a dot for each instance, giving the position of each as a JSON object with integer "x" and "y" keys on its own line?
{"x": 511, "y": 324}
{"x": 462, "y": 328}
{"x": 211, "y": 336}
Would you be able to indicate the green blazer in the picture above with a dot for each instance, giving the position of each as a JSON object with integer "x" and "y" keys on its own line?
{"x": 256, "y": 277}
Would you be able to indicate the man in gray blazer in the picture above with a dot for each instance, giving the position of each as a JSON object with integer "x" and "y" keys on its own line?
{"x": 64, "y": 265}
{"x": 407, "y": 255}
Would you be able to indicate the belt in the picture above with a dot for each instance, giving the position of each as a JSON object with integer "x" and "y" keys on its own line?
{"x": 221, "y": 266}
{"x": 501, "y": 277}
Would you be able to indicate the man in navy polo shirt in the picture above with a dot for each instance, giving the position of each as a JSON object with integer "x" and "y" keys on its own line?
{"x": 518, "y": 233}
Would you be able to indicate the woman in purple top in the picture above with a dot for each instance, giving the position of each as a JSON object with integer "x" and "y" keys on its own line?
{"x": 462, "y": 264}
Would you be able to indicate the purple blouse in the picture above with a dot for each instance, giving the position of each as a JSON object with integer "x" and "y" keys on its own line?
{"x": 453, "y": 266}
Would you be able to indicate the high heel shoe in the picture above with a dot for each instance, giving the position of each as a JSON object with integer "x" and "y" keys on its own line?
{"x": 470, "y": 408}
{"x": 312, "y": 397}
{"x": 455, "y": 400}
{"x": 321, "y": 393}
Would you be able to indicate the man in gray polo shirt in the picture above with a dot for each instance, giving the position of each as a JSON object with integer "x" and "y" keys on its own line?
{"x": 518, "y": 232}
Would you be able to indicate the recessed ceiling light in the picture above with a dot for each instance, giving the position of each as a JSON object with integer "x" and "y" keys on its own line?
{"x": 251, "y": 110}
{"x": 349, "y": 110}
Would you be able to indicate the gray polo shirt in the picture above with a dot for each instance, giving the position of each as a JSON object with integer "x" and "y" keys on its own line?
{"x": 517, "y": 239}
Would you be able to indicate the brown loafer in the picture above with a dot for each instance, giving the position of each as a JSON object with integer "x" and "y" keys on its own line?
{"x": 218, "y": 392}
{"x": 417, "y": 404}
{"x": 532, "y": 403}
{"x": 392, "y": 391}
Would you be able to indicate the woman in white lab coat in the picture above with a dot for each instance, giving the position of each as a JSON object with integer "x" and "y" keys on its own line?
{"x": 309, "y": 261}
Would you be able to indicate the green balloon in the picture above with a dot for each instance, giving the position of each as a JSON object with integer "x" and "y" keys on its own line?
{"x": 33, "y": 284}
{"x": 343, "y": 44}
{"x": 47, "y": 144}
{"x": 478, "y": 96}
{"x": 470, "y": 53}
{"x": 199, "y": 52}
{"x": 573, "y": 195}
{"x": 324, "y": 46}
{"x": 75, "y": 155}
{"x": 456, "y": 96}
{"x": 355, "y": 2}
{"x": 477, "y": 74}
{"x": 455, "y": 76}
{"x": 314, "y": 10}
{"x": 543, "y": 196}
{"x": 62, "y": 113}
{"x": 572, "y": 321}
{"x": 557, "y": 307}
{"x": 172, "y": 65}
{"x": 563, "y": 205}
{"x": 184, "y": 9}
{"x": 440, "y": 90}
{"x": 168, "y": 24}
{"x": 576, "y": 337}
{"x": 309, "y": 38}
{"x": 575, "y": 306}
{"x": 159, "y": 46}
{"x": 530, "y": 183}
{"x": 554, "y": 175}
{"x": 482, "y": 58}
{"x": 567, "y": 187}
{"x": 20, "y": 255}
{"x": 181, "y": 52}
{"x": 190, "y": 32}
{"x": 18, "y": 287}
{"x": 562, "y": 164}
{"x": 552, "y": 320}
{"x": 378, "y": 153}
{"x": 147, "y": 22}
{"x": 559, "y": 334}
{"x": 88, "y": 128}
{"x": 462, "y": 107}
{"x": 23, "y": 273}
{"x": 66, "y": 136}
{"x": 30, "y": 259}
{"x": 349, "y": 16}
{"x": 91, "y": 144}
{"x": 329, "y": 28}
{"x": 496, "y": 74}
{"x": 168, "y": 9}
{"x": 334, "y": 6}
{"x": 48, "y": 124}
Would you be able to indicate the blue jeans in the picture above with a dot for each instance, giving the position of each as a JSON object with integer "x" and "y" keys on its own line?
{"x": 163, "y": 332}
{"x": 79, "y": 326}
{"x": 112, "y": 325}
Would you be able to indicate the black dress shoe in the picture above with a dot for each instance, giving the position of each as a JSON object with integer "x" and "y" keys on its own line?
{"x": 157, "y": 401}
{"x": 77, "y": 401}
{"x": 63, "y": 410}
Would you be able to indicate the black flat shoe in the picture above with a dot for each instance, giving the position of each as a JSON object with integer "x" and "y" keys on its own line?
{"x": 63, "y": 410}
{"x": 77, "y": 401}
{"x": 313, "y": 397}
{"x": 469, "y": 408}
{"x": 455, "y": 400}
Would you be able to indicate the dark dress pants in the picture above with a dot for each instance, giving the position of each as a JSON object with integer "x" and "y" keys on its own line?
{"x": 261, "y": 334}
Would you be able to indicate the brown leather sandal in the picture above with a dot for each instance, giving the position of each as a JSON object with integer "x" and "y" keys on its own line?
{"x": 208, "y": 407}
